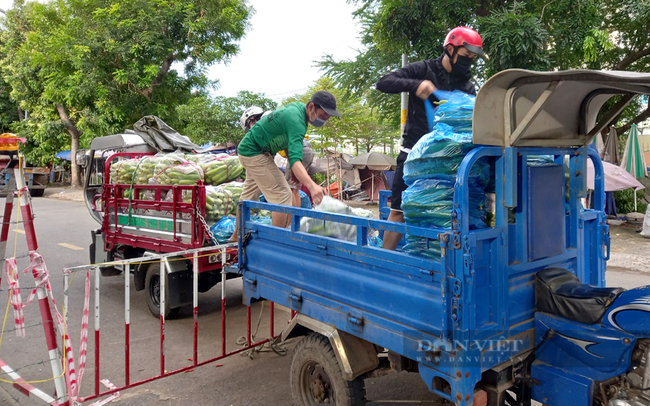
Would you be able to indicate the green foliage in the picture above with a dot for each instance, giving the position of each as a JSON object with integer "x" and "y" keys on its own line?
{"x": 536, "y": 35}
{"x": 514, "y": 40}
{"x": 625, "y": 201}
{"x": 217, "y": 120}
{"x": 357, "y": 127}
{"x": 595, "y": 43}
{"x": 94, "y": 67}
{"x": 319, "y": 178}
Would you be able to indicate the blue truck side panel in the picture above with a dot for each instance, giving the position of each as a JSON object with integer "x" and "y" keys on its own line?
{"x": 470, "y": 311}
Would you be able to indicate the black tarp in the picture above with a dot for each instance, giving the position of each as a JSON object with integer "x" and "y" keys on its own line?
{"x": 161, "y": 136}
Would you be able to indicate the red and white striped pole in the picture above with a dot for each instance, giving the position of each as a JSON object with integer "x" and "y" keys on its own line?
{"x": 97, "y": 338}
{"x": 195, "y": 307}
{"x": 223, "y": 304}
{"x": 127, "y": 324}
{"x": 24, "y": 387}
{"x": 56, "y": 358}
{"x": 164, "y": 270}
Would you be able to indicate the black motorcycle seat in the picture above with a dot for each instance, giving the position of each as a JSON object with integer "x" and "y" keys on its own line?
{"x": 560, "y": 292}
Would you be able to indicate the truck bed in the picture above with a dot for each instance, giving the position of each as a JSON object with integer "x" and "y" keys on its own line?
{"x": 394, "y": 300}
{"x": 473, "y": 309}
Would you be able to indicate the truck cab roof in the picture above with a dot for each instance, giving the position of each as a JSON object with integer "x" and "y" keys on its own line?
{"x": 125, "y": 141}
{"x": 522, "y": 108}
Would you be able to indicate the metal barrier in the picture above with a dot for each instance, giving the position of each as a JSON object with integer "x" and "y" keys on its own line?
{"x": 11, "y": 161}
{"x": 66, "y": 377}
{"x": 112, "y": 389}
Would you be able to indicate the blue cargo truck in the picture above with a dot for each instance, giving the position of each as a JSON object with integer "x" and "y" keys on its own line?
{"x": 508, "y": 314}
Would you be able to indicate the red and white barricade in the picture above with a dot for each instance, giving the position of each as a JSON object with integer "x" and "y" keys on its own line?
{"x": 110, "y": 387}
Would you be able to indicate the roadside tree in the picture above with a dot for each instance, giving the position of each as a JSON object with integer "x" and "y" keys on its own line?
{"x": 217, "y": 120}
{"x": 358, "y": 126}
{"x": 537, "y": 35}
{"x": 93, "y": 67}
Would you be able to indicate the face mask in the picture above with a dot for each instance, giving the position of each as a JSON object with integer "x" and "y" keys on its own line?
{"x": 462, "y": 66}
{"x": 317, "y": 121}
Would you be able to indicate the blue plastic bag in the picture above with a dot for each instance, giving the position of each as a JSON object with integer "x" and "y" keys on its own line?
{"x": 430, "y": 203}
{"x": 438, "y": 155}
{"x": 430, "y": 109}
{"x": 457, "y": 112}
{"x": 422, "y": 247}
{"x": 223, "y": 229}
{"x": 431, "y": 169}
{"x": 305, "y": 202}
{"x": 262, "y": 218}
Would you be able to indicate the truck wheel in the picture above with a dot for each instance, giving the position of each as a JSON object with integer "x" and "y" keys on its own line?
{"x": 36, "y": 192}
{"x": 152, "y": 287}
{"x": 316, "y": 377}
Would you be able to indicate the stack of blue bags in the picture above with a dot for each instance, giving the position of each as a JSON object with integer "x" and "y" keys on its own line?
{"x": 430, "y": 173}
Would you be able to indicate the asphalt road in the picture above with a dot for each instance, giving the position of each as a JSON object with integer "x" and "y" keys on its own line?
{"x": 63, "y": 231}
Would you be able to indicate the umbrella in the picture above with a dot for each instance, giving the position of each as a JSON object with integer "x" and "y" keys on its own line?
{"x": 616, "y": 178}
{"x": 375, "y": 162}
{"x": 633, "y": 158}
{"x": 610, "y": 153}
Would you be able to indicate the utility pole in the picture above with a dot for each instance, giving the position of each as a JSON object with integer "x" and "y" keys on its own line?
{"x": 404, "y": 107}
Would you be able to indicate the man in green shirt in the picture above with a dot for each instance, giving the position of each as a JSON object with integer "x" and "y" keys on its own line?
{"x": 282, "y": 130}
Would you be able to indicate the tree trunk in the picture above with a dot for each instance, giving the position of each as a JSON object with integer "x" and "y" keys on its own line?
{"x": 75, "y": 136}
{"x": 157, "y": 81}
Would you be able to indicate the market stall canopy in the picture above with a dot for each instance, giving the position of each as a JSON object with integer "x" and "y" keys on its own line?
{"x": 373, "y": 161}
{"x": 523, "y": 108}
{"x": 66, "y": 155}
{"x": 331, "y": 164}
{"x": 616, "y": 178}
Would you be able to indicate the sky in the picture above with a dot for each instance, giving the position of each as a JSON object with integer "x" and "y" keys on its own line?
{"x": 285, "y": 38}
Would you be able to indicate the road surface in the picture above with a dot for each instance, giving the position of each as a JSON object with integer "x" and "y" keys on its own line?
{"x": 63, "y": 231}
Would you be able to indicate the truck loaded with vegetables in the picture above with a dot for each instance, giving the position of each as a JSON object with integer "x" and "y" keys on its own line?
{"x": 149, "y": 202}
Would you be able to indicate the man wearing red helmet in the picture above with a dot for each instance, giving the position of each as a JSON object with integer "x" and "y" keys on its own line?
{"x": 450, "y": 71}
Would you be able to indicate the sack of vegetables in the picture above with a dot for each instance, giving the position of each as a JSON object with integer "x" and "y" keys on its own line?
{"x": 219, "y": 202}
{"x": 218, "y": 168}
{"x": 122, "y": 171}
{"x": 174, "y": 169}
{"x": 146, "y": 168}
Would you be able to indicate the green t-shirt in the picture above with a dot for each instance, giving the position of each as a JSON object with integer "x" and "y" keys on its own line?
{"x": 282, "y": 129}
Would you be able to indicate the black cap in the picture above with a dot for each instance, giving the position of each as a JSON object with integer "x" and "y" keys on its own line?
{"x": 326, "y": 101}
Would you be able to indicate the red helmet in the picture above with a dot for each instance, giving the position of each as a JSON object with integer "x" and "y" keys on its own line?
{"x": 468, "y": 38}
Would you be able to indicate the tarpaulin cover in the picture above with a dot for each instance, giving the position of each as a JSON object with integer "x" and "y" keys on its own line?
{"x": 159, "y": 135}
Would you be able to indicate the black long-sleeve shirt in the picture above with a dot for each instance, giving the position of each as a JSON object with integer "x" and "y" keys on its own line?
{"x": 407, "y": 79}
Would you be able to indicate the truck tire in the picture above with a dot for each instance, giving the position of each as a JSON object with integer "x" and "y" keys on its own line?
{"x": 152, "y": 288}
{"x": 36, "y": 192}
{"x": 316, "y": 377}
